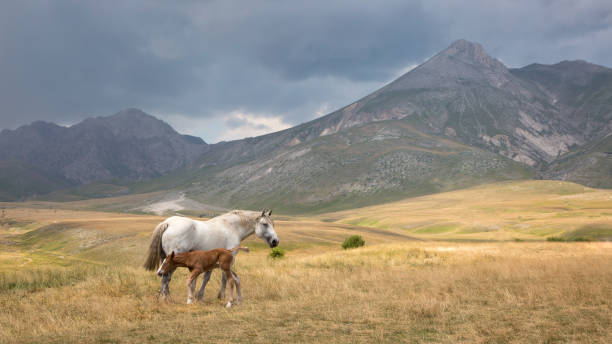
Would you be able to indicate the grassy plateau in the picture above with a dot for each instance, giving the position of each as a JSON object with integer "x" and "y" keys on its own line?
{"x": 469, "y": 266}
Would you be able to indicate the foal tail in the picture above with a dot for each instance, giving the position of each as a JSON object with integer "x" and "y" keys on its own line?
{"x": 155, "y": 249}
{"x": 239, "y": 248}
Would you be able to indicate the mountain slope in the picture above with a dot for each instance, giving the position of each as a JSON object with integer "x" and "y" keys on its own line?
{"x": 129, "y": 145}
{"x": 590, "y": 165}
{"x": 18, "y": 180}
{"x": 367, "y": 164}
{"x": 459, "y": 98}
{"x": 464, "y": 94}
{"x": 580, "y": 91}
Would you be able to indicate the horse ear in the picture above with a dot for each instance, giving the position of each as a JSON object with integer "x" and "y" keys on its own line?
{"x": 263, "y": 212}
{"x": 172, "y": 255}
{"x": 270, "y": 212}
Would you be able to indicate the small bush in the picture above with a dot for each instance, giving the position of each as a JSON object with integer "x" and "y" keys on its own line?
{"x": 580, "y": 239}
{"x": 277, "y": 253}
{"x": 555, "y": 239}
{"x": 353, "y": 241}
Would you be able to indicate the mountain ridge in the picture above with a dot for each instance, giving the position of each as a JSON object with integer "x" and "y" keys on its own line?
{"x": 459, "y": 119}
{"x": 129, "y": 145}
{"x": 525, "y": 145}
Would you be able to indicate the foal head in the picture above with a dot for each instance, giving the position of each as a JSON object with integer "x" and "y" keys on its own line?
{"x": 264, "y": 228}
{"x": 167, "y": 265}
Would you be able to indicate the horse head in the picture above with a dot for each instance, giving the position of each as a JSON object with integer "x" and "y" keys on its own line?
{"x": 264, "y": 228}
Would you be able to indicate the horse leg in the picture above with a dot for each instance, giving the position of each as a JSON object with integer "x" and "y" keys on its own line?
{"x": 205, "y": 279}
{"x": 221, "y": 294}
{"x": 166, "y": 278}
{"x": 163, "y": 290}
{"x": 238, "y": 290}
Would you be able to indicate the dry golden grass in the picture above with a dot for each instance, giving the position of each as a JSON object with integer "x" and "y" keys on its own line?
{"x": 75, "y": 276}
{"x": 418, "y": 292}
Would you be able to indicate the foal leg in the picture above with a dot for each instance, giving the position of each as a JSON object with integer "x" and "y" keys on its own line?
{"x": 205, "y": 279}
{"x": 191, "y": 284}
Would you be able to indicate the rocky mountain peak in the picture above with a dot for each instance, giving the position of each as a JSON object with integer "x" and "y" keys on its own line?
{"x": 471, "y": 53}
{"x": 462, "y": 46}
{"x": 130, "y": 123}
{"x": 132, "y": 113}
{"x": 463, "y": 61}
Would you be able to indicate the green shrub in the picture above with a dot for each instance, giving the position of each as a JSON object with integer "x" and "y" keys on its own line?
{"x": 579, "y": 239}
{"x": 277, "y": 253}
{"x": 555, "y": 239}
{"x": 353, "y": 241}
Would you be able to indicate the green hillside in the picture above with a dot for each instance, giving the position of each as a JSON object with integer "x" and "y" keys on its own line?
{"x": 18, "y": 181}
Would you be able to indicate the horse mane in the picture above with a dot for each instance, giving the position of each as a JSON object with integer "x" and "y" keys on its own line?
{"x": 247, "y": 218}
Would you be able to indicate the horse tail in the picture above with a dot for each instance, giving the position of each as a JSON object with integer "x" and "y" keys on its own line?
{"x": 155, "y": 248}
{"x": 240, "y": 248}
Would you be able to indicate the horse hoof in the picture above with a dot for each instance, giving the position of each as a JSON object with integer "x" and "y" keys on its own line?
{"x": 228, "y": 305}
{"x": 189, "y": 301}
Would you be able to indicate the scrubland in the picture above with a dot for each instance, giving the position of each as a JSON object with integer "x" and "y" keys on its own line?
{"x": 75, "y": 276}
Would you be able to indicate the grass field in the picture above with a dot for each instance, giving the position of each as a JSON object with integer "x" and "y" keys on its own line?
{"x": 75, "y": 276}
{"x": 526, "y": 210}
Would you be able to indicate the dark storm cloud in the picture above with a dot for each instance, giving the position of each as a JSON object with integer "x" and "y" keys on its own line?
{"x": 204, "y": 65}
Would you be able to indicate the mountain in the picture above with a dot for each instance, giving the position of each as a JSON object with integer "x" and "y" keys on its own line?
{"x": 464, "y": 93}
{"x": 366, "y": 164}
{"x": 459, "y": 119}
{"x": 531, "y": 115}
{"x": 130, "y": 145}
{"x": 418, "y": 134}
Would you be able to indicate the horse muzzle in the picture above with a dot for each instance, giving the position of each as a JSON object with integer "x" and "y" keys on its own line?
{"x": 273, "y": 242}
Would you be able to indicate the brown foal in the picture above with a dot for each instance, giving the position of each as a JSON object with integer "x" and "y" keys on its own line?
{"x": 201, "y": 261}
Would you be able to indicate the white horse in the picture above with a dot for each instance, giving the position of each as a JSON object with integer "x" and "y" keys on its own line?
{"x": 181, "y": 234}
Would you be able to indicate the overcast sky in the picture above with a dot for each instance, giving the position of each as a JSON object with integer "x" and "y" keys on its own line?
{"x": 229, "y": 69}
